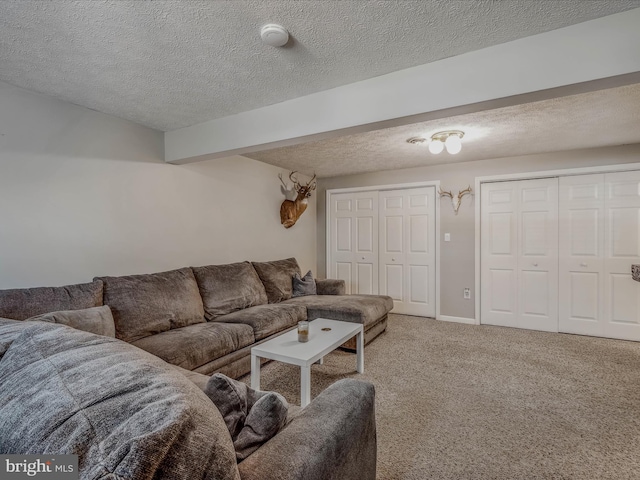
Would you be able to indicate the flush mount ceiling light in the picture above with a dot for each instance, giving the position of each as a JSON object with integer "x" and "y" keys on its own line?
{"x": 450, "y": 139}
{"x": 274, "y": 35}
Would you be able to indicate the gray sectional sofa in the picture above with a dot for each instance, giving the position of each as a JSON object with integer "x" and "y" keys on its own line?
{"x": 205, "y": 319}
{"x": 133, "y": 406}
{"x": 128, "y": 415}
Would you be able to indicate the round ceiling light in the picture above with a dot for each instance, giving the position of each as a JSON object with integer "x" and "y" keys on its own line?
{"x": 436, "y": 146}
{"x": 274, "y": 35}
{"x": 453, "y": 144}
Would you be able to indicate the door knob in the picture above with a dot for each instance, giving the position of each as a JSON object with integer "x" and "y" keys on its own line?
{"x": 535, "y": 264}
{"x": 393, "y": 259}
{"x": 363, "y": 258}
{"x": 583, "y": 265}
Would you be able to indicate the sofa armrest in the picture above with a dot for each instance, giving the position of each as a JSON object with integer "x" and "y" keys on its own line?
{"x": 330, "y": 286}
{"x": 334, "y": 437}
{"x": 198, "y": 378}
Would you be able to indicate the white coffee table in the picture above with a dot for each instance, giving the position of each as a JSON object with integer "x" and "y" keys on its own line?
{"x": 287, "y": 349}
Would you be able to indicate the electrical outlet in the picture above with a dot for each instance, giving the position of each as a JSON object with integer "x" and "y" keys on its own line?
{"x": 467, "y": 293}
{"x": 447, "y": 237}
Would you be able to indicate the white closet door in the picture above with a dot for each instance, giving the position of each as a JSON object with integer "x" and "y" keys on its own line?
{"x": 519, "y": 254}
{"x": 354, "y": 241}
{"x": 538, "y": 255}
{"x": 581, "y": 274}
{"x": 622, "y": 249}
{"x": 499, "y": 254}
{"x": 407, "y": 249}
{"x": 599, "y": 241}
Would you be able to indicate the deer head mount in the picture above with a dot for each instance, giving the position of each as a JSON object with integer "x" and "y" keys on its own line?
{"x": 457, "y": 200}
{"x": 293, "y": 207}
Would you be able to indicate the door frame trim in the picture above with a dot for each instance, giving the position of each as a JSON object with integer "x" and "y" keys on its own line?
{"x": 378, "y": 188}
{"x": 529, "y": 176}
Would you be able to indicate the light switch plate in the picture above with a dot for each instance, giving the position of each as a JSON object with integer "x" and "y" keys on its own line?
{"x": 447, "y": 237}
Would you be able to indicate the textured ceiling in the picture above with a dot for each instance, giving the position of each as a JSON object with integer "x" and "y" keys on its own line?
{"x": 601, "y": 118}
{"x": 171, "y": 64}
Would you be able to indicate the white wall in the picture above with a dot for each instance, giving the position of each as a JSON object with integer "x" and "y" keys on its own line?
{"x": 457, "y": 257}
{"x": 85, "y": 194}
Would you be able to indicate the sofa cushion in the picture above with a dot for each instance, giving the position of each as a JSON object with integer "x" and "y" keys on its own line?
{"x": 22, "y": 303}
{"x": 267, "y": 319}
{"x": 144, "y": 305}
{"x": 193, "y": 346}
{"x": 276, "y": 276}
{"x": 98, "y": 320}
{"x": 304, "y": 285}
{"x": 365, "y": 309}
{"x": 124, "y": 412}
{"x": 227, "y": 288}
{"x": 252, "y": 416}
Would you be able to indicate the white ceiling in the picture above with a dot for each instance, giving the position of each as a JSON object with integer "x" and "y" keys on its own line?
{"x": 171, "y": 64}
{"x": 595, "y": 119}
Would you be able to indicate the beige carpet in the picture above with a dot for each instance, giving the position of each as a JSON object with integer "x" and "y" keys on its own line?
{"x": 478, "y": 402}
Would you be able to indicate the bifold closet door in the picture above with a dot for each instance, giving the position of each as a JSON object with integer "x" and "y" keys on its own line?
{"x": 407, "y": 249}
{"x": 354, "y": 241}
{"x": 622, "y": 249}
{"x": 519, "y": 254}
{"x": 599, "y": 241}
{"x": 582, "y": 279}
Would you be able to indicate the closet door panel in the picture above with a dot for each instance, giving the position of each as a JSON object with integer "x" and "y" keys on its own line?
{"x": 407, "y": 249}
{"x": 365, "y": 279}
{"x": 581, "y": 287}
{"x": 419, "y": 283}
{"x": 519, "y": 254}
{"x": 353, "y": 241}
{"x": 499, "y": 258}
{"x": 391, "y": 237}
{"x": 538, "y": 254}
{"x": 622, "y": 249}
{"x": 393, "y": 283}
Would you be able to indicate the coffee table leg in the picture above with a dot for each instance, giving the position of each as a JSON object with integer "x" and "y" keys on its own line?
{"x": 360, "y": 352}
{"x": 305, "y": 386}
{"x": 255, "y": 372}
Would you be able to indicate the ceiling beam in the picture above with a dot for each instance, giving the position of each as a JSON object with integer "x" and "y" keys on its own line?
{"x": 565, "y": 61}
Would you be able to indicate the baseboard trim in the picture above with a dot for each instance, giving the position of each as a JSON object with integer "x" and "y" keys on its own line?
{"x": 447, "y": 318}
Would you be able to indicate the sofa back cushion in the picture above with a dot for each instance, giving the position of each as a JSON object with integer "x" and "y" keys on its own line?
{"x": 228, "y": 288}
{"x": 144, "y": 305}
{"x": 23, "y": 303}
{"x": 137, "y": 418}
{"x": 277, "y": 278}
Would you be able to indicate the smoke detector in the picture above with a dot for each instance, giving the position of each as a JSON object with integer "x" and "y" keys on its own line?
{"x": 274, "y": 35}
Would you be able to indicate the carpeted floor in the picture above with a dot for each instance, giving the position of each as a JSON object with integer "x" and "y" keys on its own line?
{"x": 457, "y": 401}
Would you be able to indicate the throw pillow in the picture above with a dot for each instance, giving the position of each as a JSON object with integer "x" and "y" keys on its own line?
{"x": 252, "y": 416}
{"x": 98, "y": 320}
{"x": 304, "y": 286}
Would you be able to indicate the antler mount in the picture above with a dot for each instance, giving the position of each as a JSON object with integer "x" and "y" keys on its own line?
{"x": 457, "y": 200}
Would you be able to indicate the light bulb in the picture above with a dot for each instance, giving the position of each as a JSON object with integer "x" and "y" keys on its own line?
{"x": 453, "y": 144}
{"x": 436, "y": 146}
